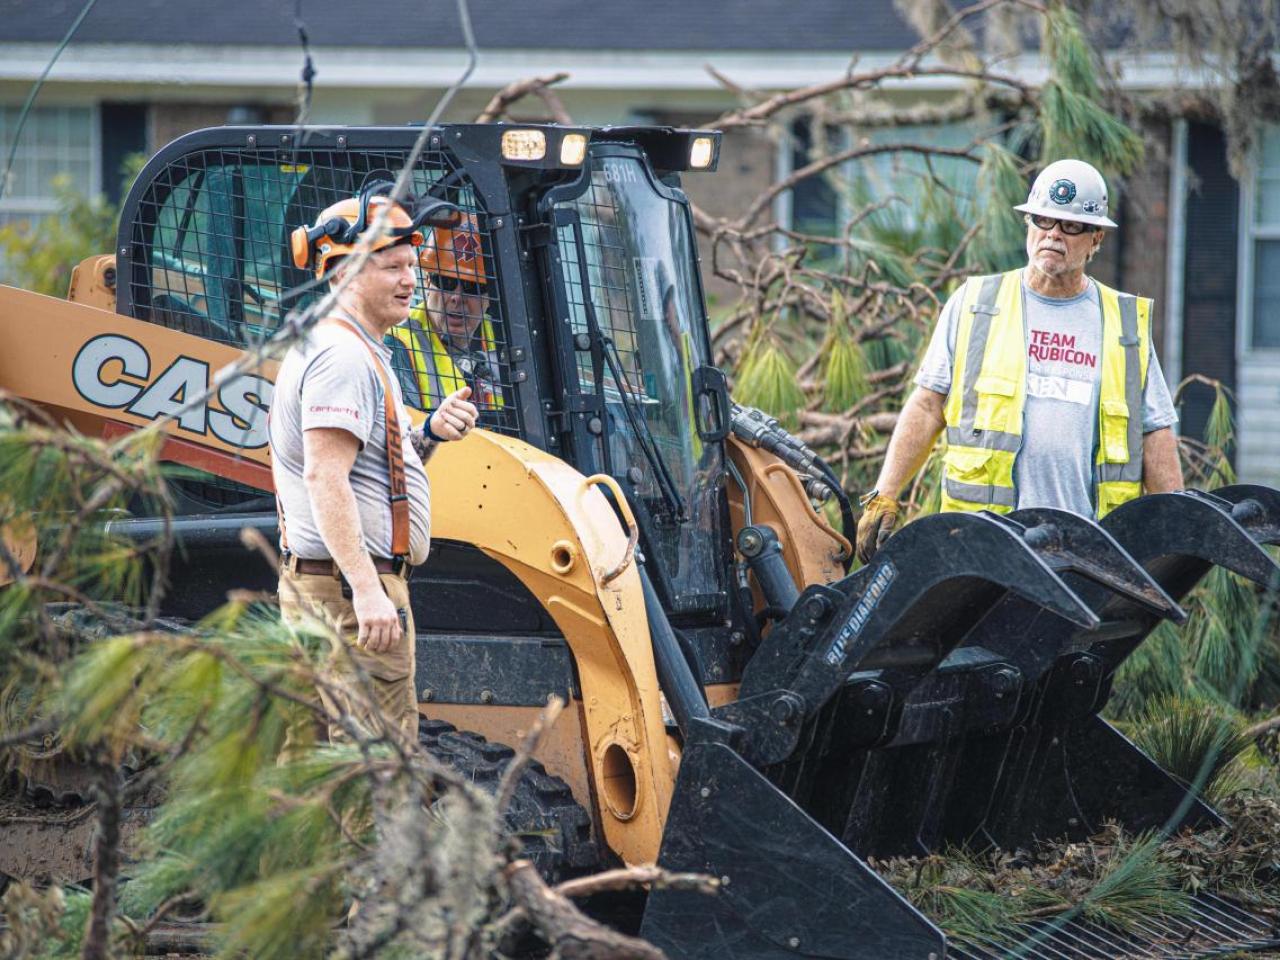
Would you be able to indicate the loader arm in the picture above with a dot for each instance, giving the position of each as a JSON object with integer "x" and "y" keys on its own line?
{"x": 93, "y": 369}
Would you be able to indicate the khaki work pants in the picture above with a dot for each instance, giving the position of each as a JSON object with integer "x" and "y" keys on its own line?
{"x": 390, "y": 673}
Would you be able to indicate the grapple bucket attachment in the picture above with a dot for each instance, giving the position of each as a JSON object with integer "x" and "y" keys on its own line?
{"x": 792, "y": 887}
{"x": 948, "y": 693}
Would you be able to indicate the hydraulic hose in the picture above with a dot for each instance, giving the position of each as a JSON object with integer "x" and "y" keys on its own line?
{"x": 848, "y": 522}
{"x": 758, "y": 429}
{"x": 682, "y": 689}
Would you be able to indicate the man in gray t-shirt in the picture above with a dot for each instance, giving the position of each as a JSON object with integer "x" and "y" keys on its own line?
{"x": 1074, "y": 345}
{"x": 1054, "y": 468}
{"x": 352, "y": 491}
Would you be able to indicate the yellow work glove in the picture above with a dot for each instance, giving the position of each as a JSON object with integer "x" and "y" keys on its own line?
{"x": 879, "y": 517}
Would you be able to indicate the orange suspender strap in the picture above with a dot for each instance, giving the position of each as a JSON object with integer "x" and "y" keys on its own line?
{"x": 395, "y": 451}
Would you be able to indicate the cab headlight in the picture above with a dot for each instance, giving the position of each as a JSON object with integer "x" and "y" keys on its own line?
{"x": 524, "y": 144}
{"x": 573, "y": 149}
{"x": 701, "y": 152}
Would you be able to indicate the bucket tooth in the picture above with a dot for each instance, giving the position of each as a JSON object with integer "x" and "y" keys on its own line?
{"x": 1082, "y": 547}
{"x": 1069, "y": 781}
{"x": 1038, "y": 777}
{"x": 1256, "y": 508}
{"x": 1177, "y": 537}
{"x": 947, "y": 694}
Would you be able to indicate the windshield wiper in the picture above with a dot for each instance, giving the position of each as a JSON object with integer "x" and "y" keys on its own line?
{"x": 639, "y": 425}
{"x": 644, "y": 436}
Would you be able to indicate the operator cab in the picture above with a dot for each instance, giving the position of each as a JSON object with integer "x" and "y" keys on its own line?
{"x": 577, "y": 265}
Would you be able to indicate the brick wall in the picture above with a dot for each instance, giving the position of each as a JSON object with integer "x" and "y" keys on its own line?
{"x": 745, "y": 170}
{"x": 1133, "y": 257}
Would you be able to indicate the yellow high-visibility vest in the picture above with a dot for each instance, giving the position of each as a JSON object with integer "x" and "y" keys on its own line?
{"x": 433, "y": 367}
{"x": 984, "y": 410}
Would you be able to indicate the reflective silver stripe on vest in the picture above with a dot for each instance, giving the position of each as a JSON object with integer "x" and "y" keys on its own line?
{"x": 963, "y": 434}
{"x": 1130, "y": 472}
{"x": 987, "y": 439}
{"x": 980, "y": 493}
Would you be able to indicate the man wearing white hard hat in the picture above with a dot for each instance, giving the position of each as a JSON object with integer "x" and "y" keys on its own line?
{"x": 1044, "y": 379}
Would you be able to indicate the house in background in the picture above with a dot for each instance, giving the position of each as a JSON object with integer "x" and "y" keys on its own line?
{"x": 137, "y": 75}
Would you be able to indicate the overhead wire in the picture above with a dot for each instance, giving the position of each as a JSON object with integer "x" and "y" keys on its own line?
{"x": 35, "y": 90}
{"x": 295, "y": 325}
{"x": 306, "y": 81}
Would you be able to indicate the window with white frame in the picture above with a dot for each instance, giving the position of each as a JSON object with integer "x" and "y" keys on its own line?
{"x": 1262, "y": 253}
{"x": 55, "y": 141}
{"x": 902, "y": 181}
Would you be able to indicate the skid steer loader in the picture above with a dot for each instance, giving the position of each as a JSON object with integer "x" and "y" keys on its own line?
{"x": 623, "y": 535}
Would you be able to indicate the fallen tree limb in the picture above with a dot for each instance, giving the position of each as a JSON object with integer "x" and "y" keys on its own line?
{"x": 572, "y": 935}
{"x": 503, "y": 100}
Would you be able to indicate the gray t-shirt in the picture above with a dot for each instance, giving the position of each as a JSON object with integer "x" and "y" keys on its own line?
{"x": 1064, "y": 375}
{"x": 328, "y": 380}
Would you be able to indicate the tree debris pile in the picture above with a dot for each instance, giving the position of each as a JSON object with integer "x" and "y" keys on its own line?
{"x": 1120, "y": 882}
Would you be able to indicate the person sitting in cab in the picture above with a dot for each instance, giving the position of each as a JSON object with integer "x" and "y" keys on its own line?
{"x": 449, "y": 339}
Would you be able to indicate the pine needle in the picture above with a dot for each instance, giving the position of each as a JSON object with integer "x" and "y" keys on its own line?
{"x": 1001, "y": 185}
{"x": 1075, "y": 126}
{"x": 283, "y": 915}
{"x": 768, "y": 381}
{"x": 1195, "y": 741}
{"x": 1136, "y": 885}
{"x": 844, "y": 368}
{"x": 1069, "y": 52}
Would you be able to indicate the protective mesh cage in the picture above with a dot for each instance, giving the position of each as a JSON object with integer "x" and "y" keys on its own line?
{"x": 609, "y": 265}
{"x": 211, "y": 258}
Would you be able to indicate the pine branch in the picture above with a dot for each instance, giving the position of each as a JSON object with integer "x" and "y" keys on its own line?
{"x": 627, "y": 878}
{"x": 1262, "y": 728}
{"x": 571, "y": 934}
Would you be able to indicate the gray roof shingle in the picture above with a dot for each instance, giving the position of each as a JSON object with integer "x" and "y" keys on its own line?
{"x": 765, "y": 25}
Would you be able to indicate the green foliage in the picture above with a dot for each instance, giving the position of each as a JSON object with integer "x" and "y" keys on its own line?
{"x": 70, "y": 484}
{"x": 1219, "y": 435}
{"x": 844, "y": 367}
{"x": 1197, "y": 742}
{"x": 1112, "y": 879}
{"x": 767, "y": 379}
{"x": 41, "y": 256}
{"x": 261, "y": 842}
{"x": 1071, "y": 122}
{"x": 1000, "y": 243}
{"x": 282, "y": 915}
{"x": 1069, "y": 52}
{"x": 1073, "y": 126}
{"x": 1135, "y": 885}
{"x": 1156, "y": 670}
{"x": 1227, "y": 655}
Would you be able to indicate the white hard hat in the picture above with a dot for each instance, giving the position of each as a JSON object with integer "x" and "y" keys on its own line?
{"x": 1069, "y": 190}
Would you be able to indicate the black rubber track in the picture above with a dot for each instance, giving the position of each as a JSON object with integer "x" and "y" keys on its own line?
{"x": 552, "y": 825}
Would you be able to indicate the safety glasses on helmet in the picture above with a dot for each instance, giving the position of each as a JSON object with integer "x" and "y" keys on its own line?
{"x": 1072, "y": 228}
{"x": 449, "y": 283}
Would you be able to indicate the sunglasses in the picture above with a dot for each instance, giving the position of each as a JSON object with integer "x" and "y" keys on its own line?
{"x": 1072, "y": 228}
{"x": 449, "y": 284}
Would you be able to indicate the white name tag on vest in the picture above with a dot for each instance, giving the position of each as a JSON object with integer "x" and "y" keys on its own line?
{"x": 1060, "y": 388}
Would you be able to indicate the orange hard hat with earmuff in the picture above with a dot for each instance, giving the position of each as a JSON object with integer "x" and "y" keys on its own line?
{"x": 337, "y": 231}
